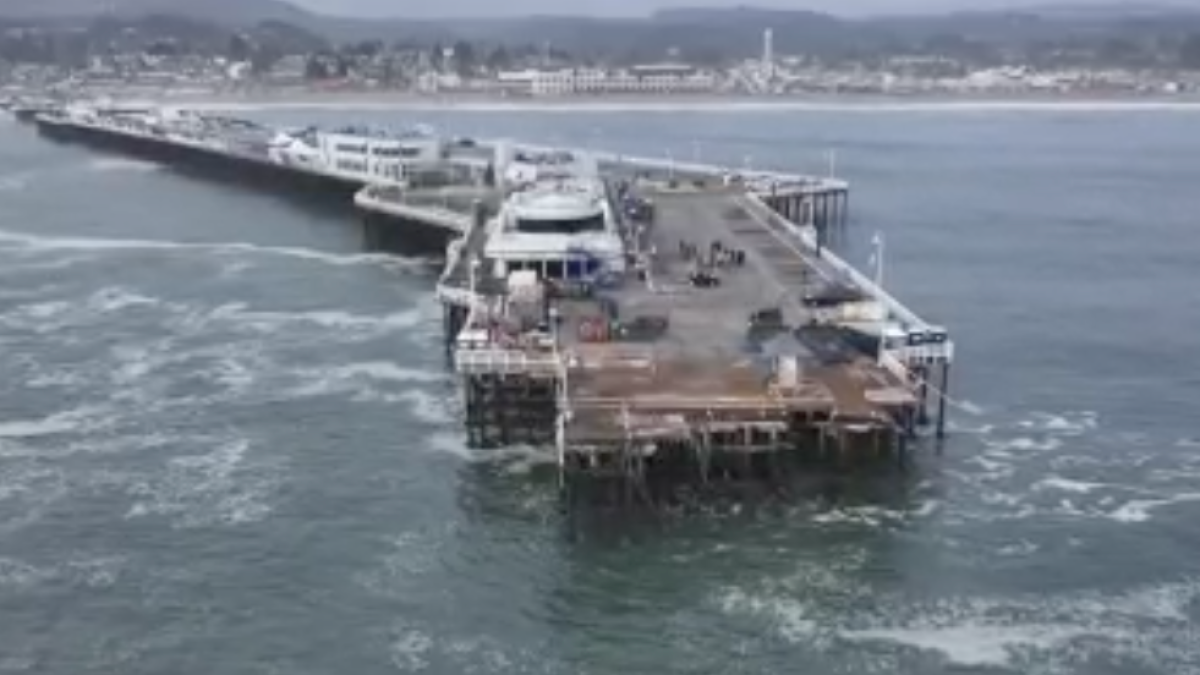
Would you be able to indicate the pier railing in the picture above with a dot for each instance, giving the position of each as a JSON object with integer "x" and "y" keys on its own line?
{"x": 807, "y": 237}
{"x": 892, "y": 363}
{"x": 785, "y": 182}
{"x": 428, "y": 211}
{"x": 498, "y": 361}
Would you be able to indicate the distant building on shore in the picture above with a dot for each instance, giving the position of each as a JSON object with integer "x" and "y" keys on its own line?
{"x": 665, "y": 78}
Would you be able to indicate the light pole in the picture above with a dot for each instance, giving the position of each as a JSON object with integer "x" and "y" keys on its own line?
{"x": 877, "y": 257}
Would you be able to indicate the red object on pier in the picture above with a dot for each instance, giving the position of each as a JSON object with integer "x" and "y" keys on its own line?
{"x": 593, "y": 330}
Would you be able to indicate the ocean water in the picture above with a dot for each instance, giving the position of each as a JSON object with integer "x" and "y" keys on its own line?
{"x": 228, "y": 441}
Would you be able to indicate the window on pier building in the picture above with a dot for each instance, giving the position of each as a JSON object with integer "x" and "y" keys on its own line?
{"x": 560, "y": 226}
{"x": 558, "y": 269}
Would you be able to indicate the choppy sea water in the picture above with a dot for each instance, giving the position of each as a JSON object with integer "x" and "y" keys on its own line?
{"x": 228, "y": 442}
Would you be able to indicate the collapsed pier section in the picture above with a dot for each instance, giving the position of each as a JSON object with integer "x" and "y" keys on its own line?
{"x": 731, "y": 351}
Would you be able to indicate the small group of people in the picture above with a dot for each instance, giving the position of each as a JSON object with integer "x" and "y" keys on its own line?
{"x": 718, "y": 254}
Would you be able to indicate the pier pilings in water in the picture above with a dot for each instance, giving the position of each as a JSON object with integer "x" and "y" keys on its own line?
{"x": 454, "y": 318}
{"x": 826, "y": 209}
{"x": 507, "y": 408}
{"x": 722, "y": 459}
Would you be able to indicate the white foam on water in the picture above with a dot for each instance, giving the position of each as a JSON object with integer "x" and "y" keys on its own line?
{"x": 870, "y": 516}
{"x": 409, "y": 651}
{"x": 788, "y": 617}
{"x": 450, "y": 443}
{"x": 1065, "y": 423}
{"x": 926, "y": 509}
{"x": 1019, "y": 549}
{"x": 110, "y": 164}
{"x": 115, "y": 298}
{"x": 1151, "y": 623}
{"x": 359, "y": 380}
{"x": 1168, "y": 603}
{"x": 20, "y": 574}
{"x": 34, "y": 242}
{"x": 1023, "y": 445}
{"x": 1067, "y": 485}
{"x": 27, "y": 488}
{"x": 426, "y": 407}
{"x": 521, "y": 460}
{"x": 957, "y": 429}
{"x": 969, "y": 407}
{"x": 415, "y": 650}
{"x": 140, "y": 375}
{"x": 235, "y": 373}
{"x": 62, "y": 378}
{"x": 97, "y": 572}
{"x": 102, "y": 572}
{"x": 233, "y": 269}
{"x": 78, "y": 420}
{"x": 40, "y": 311}
{"x": 992, "y": 469}
{"x": 973, "y": 645}
{"x": 136, "y": 362}
{"x": 221, "y": 487}
{"x": 18, "y": 262}
{"x": 388, "y": 371}
{"x": 1140, "y": 510}
{"x": 272, "y": 321}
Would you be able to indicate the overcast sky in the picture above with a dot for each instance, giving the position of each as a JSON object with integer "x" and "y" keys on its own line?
{"x": 481, "y": 8}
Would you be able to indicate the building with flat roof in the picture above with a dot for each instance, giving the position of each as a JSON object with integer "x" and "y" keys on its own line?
{"x": 646, "y": 79}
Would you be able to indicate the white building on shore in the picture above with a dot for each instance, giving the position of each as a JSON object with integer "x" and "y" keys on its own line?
{"x": 668, "y": 78}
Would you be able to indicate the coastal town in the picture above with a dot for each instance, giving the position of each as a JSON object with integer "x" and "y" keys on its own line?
{"x": 545, "y": 72}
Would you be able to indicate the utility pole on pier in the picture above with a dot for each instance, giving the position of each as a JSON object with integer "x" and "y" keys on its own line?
{"x": 877, "y": 257}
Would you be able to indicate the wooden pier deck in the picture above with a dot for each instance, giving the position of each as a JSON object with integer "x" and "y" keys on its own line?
{"x": 706, "y": 366}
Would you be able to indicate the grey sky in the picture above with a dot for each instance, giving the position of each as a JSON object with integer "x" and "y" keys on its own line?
{"x": 479, "y": 8}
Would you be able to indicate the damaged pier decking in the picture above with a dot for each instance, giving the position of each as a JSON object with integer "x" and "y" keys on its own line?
{"x": 653, "y": 384}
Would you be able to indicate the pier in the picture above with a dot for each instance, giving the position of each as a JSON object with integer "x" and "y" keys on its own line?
{"x": 659, "y": 383}
{"x": 231, "y": 150}
{"x": 410, "y": 189}
{"x": 731, "y": 348}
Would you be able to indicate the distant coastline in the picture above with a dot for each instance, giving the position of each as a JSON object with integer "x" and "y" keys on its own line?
{"x": 677, "y": 102}
{"x": 297, "y": 99}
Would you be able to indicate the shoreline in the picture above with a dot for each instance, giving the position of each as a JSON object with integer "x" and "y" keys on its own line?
{"x": 708, "y": 103}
